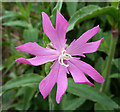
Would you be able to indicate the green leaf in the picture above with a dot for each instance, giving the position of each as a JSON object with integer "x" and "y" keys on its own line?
{"x": 29, "y": 7}
{"x": 115, "y": 4}
{"x": 27, "y": 80}
{"x": 115, "y": 75}
{"x": 116, "y": 62}
{"x": 105, "y": 44}
{"x": 71, "y": 7}
{"x": 9, "y": 66}
{"x": 36, "y": 8}
{"x": 47, "y": 67}
{"x": 46, "y": 40}
{"x": 30, "y": 35}
{"x": 90, "y": 93}
{"x": 25, "y": 11}
{"x": 99, "y": 64}
{"x": 92, "y": 11}
{"x": 9, "y": 14}
{"x": 57, "y": 7}
{"x": 7, "y": 99}
{"x": 1, "y": 67}
{"x": 72, "y": 103}
{"x": 16, "y": 23}
{"x": 28, "y": 95}
{"x": 98, "y": 106}
{"x": 110, "y": 20}
{"x": 22, "y": 9}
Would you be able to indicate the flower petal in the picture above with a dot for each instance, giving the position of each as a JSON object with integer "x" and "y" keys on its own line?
{"x": 77, "y": 75}
{"x": 38, "y": 60}
{"x": 57, "y": 36}
{"x": 72, "y": 49}
{"x": 48, "y": 27}
{"x": 35, "y": 49}
{"x": 87, "y": 48}
{"x": 88, "y": 69}
{"x": 61, "y": 82}
{"x": 61, "y": 29}
{"x": 91, "y": 47}
{"x": 49, "y": 81}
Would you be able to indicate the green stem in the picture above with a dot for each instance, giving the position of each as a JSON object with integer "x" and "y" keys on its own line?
{"x": 51, "y": 105}
{"x": 110, "y": 58}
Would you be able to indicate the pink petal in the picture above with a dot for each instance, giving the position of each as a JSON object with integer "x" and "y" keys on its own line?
{"x": 57, "y": 74}
{"x": 61, "y": 82}
{"x": 61, "y": 29}
{"x": 49, "y": 81}
{"x": 88, "y": 35}
{"x": 88, "y": 69}
{"x": 38, "y": 60}
{"x": 77, "y": 75}
{"x": 91, "y": 47}
{"x": 87, "y": 48}
{"x": 57, "y": 36}
{"x": 35, "y": 49}
{"x": 48, "y": 27}
{"x": 72, "y": 49}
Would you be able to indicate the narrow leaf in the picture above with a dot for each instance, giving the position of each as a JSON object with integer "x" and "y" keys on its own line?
{"x": 16, "y": 23}
{"x": 47, "y": 67}
{"x": 9, "y": 14}
{"x": 58, "y": 6}
{"x": 29, "y": 7}
{"x": 116, "y": 62}
{"x": 30, "y": 35}
{"x": 92, "y": 11}
{"x": 90, "y": 93}
{"x": 115, "y": 75}
{"x": 102, "y": 107}
{"x": 29, "y": 80}
{"x": 22, "y": 9}
{"x": 74, "y": 103}
{"x": 71, "y": 7}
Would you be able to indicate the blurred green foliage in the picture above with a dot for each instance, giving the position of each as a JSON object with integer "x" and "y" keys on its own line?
{"x": 22, "y": 22}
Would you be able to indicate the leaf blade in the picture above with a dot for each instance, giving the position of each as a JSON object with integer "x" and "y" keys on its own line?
{"x": 16, "y": 23}
{"x": 30, "y": 80}
{"x": 90, "y": 93}
{"x": 91, "y": 11}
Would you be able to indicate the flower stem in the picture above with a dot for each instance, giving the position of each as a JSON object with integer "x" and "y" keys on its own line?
{"x": 110, "y": 58}
{"x": 51, "y": 105}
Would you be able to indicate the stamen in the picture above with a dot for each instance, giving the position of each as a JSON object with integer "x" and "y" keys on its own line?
{"x": 64, "y": 56}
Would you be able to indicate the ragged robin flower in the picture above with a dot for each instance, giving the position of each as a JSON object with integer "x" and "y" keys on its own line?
{"x": 64, "y": 59}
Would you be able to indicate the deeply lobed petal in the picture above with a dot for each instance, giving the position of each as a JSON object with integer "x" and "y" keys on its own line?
{"x": 77, "y": 74}
{"x": 91, "y": 47}
{"x": 61, "y": 29}
{"x": 38, "y": 60}
{"x": 57, "y": 36}
{"x": 75, "y": 46}
{"x": 87, "y": 48}
{"x": 49, "y": 81}
{"x": 88, "y": 69}
{"x": 61, "y": 82}
{"x": 43, "y": 55}
{"x": 35, "y": 49}
{"x": 57, "y": 74}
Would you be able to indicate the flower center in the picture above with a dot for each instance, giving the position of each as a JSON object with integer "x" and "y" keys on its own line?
{"x": 64, "y": 56}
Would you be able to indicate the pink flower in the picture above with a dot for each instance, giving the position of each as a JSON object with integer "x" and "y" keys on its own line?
{"x": 64, "y": 58}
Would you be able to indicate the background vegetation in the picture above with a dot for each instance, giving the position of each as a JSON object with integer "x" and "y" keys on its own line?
{"x": 22, "y": 22}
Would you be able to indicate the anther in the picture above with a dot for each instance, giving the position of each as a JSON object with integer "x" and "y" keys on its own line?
{"x": 64, "y": 56}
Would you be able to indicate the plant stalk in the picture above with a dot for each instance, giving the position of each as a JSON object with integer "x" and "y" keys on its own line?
{"x": 51, "y": 105}
{"x": 110, "y": 58}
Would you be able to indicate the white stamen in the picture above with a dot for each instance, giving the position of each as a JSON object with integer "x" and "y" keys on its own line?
{"x": 64, "y": 56}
